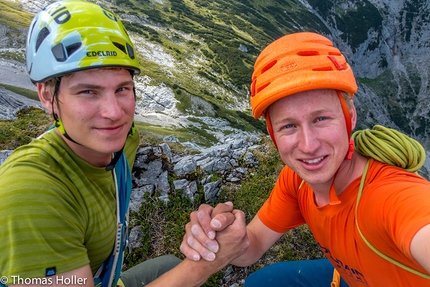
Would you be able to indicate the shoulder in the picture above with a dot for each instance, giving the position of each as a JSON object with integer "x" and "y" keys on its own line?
{"x": 37, "y": 171}
{"x": 289, "y": 179}
{"x": 392, "y": 178}
{"x": 394, "y": 202}
{"x": 42, "y": 155}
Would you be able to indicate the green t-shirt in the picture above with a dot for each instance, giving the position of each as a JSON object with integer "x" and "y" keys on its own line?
{"x": 57, "y": 212}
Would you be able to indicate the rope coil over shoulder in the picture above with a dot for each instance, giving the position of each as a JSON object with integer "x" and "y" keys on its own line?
{"x": 391, "y": 147}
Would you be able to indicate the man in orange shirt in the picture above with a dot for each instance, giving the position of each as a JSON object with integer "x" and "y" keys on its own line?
{"x": 367, "y": 209}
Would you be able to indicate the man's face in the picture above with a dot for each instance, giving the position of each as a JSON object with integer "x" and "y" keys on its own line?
{"x": 310, "y": 131}
{"x": 96, "y": 107}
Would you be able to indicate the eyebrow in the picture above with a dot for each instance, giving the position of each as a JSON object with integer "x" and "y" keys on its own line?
{"x": 318, "y": 112}
{"x": 92, "y": 86}
{"x": 312, "y": 114}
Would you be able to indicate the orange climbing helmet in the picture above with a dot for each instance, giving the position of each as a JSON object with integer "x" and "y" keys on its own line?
{"x": 295, "y": 63}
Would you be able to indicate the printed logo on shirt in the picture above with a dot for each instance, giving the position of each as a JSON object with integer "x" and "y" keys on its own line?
{"x": 351, "y": 272}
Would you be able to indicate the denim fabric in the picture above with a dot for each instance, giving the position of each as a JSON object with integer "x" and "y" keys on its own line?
{"x": 307, "y": 273}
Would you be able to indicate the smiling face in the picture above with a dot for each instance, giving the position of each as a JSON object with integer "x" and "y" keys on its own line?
{"x": 310, "y": 132}
{"x": 96, "y": 107}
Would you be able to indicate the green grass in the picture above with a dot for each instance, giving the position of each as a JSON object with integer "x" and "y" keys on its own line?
{"x": 154, "y": 134}
{"x": 11, "y": 14}
{"x": 16, "y": 56}
{"x": 22, "y": 91}
{"x": 30, "y": 124}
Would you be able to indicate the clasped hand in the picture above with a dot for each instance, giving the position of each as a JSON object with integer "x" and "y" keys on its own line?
{"x": 215, "y": 234}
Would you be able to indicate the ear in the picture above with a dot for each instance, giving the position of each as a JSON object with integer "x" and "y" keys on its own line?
{"x": 353, "y": 113}
{"x": 45, "y": 96}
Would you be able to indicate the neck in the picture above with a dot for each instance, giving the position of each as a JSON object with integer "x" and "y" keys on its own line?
{"x": 348, "y": 171}
{"x": 94, "y": 158}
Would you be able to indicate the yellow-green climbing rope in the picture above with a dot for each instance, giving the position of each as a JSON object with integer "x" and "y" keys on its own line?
{"x": 390, "y": 146}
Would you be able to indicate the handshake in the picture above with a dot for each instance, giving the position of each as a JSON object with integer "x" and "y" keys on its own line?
{"x": 217, "y": 234}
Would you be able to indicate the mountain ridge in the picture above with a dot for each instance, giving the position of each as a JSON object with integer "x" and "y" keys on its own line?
{"x": 197, "y": 58}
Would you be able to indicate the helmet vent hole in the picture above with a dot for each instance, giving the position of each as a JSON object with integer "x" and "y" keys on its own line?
{"x": 59, "y": 53}
{"x": 328, "y": 68}
{"x": 73, "y": 48}
{"x": 268, "y": 66}
{"x": 130, "y": 51}
{"x": 262, "y": 87}
{"x": 120, "y": 46}
{"x": 308, "y": 53}
{"x": 42, "y": 35}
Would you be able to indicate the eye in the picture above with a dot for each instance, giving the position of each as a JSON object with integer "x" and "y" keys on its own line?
{"x": 288, "y": 126}
{"x": 319, "y": 119}
{"x": 124, "y": 89}
{"x": 86, "y": 92}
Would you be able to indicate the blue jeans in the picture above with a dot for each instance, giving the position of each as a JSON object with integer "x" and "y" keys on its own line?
{"x": 306, "y": 273}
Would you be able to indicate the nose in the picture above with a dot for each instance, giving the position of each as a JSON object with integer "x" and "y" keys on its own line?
{"x": 308, "y": 141}
{"x": 110, "y": 107}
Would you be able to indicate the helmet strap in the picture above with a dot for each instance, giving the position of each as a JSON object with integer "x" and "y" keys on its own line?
{"x": 58, "y": 123}
{"x": 270, "y": 128}
{"x": 347, "y": 116}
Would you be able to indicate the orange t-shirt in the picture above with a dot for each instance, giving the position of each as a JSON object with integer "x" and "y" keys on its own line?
{"x": 394, "y": 205}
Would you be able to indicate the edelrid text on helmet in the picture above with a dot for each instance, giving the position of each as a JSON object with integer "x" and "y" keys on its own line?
{"x": 73, "y": 35}
{"x": 101, "y": 53}
{"x": 295, "y": 63}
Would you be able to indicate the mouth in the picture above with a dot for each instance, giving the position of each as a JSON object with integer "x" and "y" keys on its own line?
{"x": 313, "y": 161}
{"x": 114, "y": 129}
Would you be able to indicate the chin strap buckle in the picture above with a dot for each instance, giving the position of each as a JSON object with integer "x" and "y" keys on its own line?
{"x": 350, "y": 149}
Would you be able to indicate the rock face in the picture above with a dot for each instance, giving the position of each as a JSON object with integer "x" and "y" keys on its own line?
{"x": 3, "y": 155}
{"x": 14, "y": 73}
{"x": 11, "y": 103}
{"x": 230, "y": 159}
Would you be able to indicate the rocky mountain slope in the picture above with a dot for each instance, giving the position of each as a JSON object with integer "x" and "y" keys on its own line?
{"x": 197, "y": 57}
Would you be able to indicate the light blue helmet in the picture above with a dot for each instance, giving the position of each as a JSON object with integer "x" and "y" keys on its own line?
{"x": 73, "y": 35}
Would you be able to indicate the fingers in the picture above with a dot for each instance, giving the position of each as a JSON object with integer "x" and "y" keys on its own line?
{"x": 203, "y": 217}
{"x": 222, "y": 216}
{"x": 199, "y": 239}
{"x": 193, "y": 250}
{"x": 215, "y": 219}
{"x": 222, "y": 207}
{"x": 233, "y": 240}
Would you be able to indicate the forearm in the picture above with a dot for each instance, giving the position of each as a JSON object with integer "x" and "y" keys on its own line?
{"x": 188, "y": 274}
{"x": 261, "y": 238}
{"x": 420, "y": 247}
{"x": 252, "y": 254}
